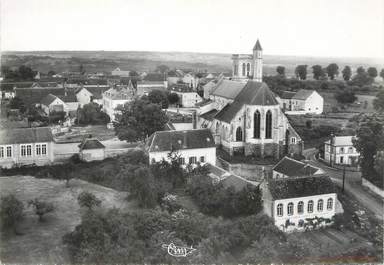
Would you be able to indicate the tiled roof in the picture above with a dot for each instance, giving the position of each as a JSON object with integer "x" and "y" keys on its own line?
{"x": 178, "y": 140}
{"x": 237, "y": 182}
{"x": 210, "y": 115}
{"x": 154, "y": 77}
{"x": 35, "y": 95}
{"x": 286, "y": 188}
{"x": 48, "y": 99}
{"x": 227, "y": 113}
{"x": 26, "y": 135}
{"x": 303, "y": 94}
{"x": 96, "y": 91}
{"x": 287, "y": 94}
{"x": 90, "y": 143}
{"x": 70, "y": 97}
{"x": 342, "y": 141}
{"x": 256, "y": 93}
{"x": 293, "y": 168}
{"x": 228, "y": 89}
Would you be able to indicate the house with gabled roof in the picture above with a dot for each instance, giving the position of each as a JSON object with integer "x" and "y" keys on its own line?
{"x": 52, "y": 103}
{"x": 298, "y": 204}
{"x": 91, "y": 149}
{"x": 91, "y": 93}
{"x": 291, "y": 168}
{"x": 26, "y": 146}
{"x": 192, "y": 146}
{"x": 119, "y": 72}
{"x": 303, "y": 101}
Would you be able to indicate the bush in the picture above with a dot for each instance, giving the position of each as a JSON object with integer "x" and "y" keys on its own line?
{"x": 11, "y": 211}
{"x": 345, "y": 96}
{"x": 88, "y": 200}
{"x": 41, "y": 207}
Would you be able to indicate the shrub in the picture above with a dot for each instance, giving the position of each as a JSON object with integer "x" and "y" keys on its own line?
{"x": 11, "y": 211}
{"x": 41, "y": 207}
{"x": 88, "y": 200}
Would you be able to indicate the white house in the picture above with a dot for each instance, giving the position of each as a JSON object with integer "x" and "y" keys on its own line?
{"x": 289, "y": 167}
{"x": 192, "y": 146}
{"x": 119, "y": 72}
{"x": 26, "y": 146}
{"x": 91, "y": 149}
{"x": 300, "y": 203}
{"x": 52, "y": 103}
{"x": 114, "y": 97}
{"x": 340, "y": 150}
{"x": 87, "y": 94}
{"x": 301, "y": 102}
{"x": 188, "y": 96}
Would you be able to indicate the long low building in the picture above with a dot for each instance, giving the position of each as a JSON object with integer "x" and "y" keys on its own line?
{"x": 26, "y": 146}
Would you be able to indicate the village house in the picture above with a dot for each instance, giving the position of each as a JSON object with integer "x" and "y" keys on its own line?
{"x": 191, "y": 146}
{"x": 245, "y": 116}
{"x": 340, "y": 150}
{"x": 191, "y": 79}
{"x": 297, "y": 204}
{"x": 116, "y": 97}
{"x": 26, "y": 146}
{"x": 301, "y": 102}
{"x": 289, "y": 167}
{"x": 91, "y": 149}
{"x": 91, "y": 93}
{"x": 188, "y": 97}
{"x": 51, "y": 103}
{"x": 119, "y": 72}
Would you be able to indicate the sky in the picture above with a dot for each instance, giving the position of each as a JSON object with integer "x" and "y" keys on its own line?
{"x": 339, "y": 28}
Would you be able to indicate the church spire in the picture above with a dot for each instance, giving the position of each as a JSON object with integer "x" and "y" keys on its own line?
{"x": 257, "y": 46}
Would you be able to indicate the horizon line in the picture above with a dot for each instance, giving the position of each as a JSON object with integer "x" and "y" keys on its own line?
{"x": 221, "y": 53}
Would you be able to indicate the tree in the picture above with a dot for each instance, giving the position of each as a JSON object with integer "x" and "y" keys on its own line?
{"x": 41, "y": 207}
{"x": 345, "y": 96}
{"x": 382, "y": 73}
{"x": 162, "y": 68}
{"x": 372, "y": 72}
{"x": 280, "y": 70}
{"x": 92, "y": 113}
{"x": 360, "y": 70}
{"x": 51, "y": 73}
{"x": 17, "y": 103}
{"x": 159, "y": 97}
{"x": 301, "y": 72}
{"x": 81, "y": 69}
{"x": 133, "y": 73}
{"x": 173, "y": 98}
{"x": 369, "y": 140}
{"x": 347, "y": 73}
{"x": 88, "y": 200}
{"x": 11, "y": 212}
{"x": 138, "y": 120}
{"x": 317, "y": 71}
{"x": 332, "y": 70}
{"x": 26, "y": 73}
{"x": 361, "y": 78}
{"x": 378, "y": 102}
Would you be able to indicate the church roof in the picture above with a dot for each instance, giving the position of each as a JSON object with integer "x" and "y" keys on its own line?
{"x": 256, "y": 93}
{"x": 257, "y": 46}
{"x": 228, "y": 89}
{"x": 253, "y": 93}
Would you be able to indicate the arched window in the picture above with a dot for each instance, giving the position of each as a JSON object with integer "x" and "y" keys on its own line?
{"x": 290, "y": 208}
{"x": 310, "y": 207}
{"x": 268, "y": 125}
{"x": 342, "y": 150}
{"x": 280, "y": 209}
{"x": 248, "y": 68}
{"x": 329, "y": 204}
{"x": 350, "y": 150}
{"x": 239, "y": 134}
{"x": 256, "y": 125}
{"x": 243, "y": 69}
{"x": 300, "y": 207}
{"x": 320, "y": 205}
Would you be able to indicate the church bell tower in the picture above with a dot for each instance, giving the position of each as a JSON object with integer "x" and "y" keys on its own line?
{"x": 257, "y": 62}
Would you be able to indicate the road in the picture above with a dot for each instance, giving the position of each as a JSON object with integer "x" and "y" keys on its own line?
{"x": 352, "y": 184}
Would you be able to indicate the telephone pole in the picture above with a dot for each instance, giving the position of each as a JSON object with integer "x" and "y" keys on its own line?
{"x": 343, "y": 178}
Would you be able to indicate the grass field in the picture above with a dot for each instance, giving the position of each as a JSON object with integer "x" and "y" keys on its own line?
{"x": 41, "y": 242}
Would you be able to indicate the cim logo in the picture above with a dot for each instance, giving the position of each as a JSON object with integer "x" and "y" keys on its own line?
{"x": 177, "y": 251}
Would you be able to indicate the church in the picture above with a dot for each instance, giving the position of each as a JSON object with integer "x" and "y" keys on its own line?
{"x": 244, "y": 115}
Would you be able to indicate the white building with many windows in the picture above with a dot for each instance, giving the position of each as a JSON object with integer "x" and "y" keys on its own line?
{"x": 300, "y": 203}
{"x": 340, "y": 150}
{"x": 192, "y": 146}
{"x": 26, "y": 146}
